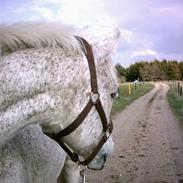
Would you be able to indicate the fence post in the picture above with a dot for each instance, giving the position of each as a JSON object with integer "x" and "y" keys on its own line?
{"x": 181, "y": 91}
{"x": 129, "y": 88}
{"x": 178, "y": 87}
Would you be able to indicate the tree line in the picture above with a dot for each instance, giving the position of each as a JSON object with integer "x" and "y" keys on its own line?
{"x": 151, "y": 71}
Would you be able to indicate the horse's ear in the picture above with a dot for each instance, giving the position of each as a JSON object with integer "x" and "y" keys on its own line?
{"x": 108, "y": 45}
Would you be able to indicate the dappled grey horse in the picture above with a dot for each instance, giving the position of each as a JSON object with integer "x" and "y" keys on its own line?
{"x": 45, "y": 79}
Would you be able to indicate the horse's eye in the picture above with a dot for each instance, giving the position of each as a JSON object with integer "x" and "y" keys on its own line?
{"x": 115, "y": 95}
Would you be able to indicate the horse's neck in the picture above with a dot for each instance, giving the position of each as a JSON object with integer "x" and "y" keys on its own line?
{"x": 56, "y": 91}
{"x": 70, "y": 172}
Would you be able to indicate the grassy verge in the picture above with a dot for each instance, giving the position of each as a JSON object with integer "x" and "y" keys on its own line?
{"x": 176, "y": 102}
{"x": 126, "y": 99}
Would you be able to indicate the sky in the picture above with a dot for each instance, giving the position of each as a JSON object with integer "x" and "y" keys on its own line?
{"x": 150, "y": 29}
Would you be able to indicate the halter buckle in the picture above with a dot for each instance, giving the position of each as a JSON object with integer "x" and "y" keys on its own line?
{"x": 94, "y": 97}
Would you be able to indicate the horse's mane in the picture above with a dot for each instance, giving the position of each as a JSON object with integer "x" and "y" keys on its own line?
{"x": 36, "y": 35}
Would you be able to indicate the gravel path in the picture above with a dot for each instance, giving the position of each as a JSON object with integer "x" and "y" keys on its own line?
{"x": 148, "y": 144}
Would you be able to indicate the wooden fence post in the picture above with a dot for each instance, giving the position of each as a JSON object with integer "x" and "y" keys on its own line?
{"x": 178, "y": 87}
{"x": 181, "y": 91}
{"x": 129, "y": 88}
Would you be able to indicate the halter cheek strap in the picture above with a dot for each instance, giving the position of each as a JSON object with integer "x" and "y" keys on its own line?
{"x": 94, "y": 101}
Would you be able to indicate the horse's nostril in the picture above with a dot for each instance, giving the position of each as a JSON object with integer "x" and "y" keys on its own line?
{"x": 105, "y": 157}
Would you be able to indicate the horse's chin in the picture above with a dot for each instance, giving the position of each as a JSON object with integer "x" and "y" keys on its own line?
{"x": 97, "y": 163}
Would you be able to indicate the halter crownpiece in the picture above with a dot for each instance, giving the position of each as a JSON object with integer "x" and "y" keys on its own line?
{"x": 93, "y": 101}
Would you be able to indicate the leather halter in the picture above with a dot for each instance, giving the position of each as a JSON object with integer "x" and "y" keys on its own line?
{"x": 93, "y": 102}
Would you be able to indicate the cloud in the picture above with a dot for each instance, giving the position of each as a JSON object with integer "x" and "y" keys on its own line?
{"x": 149, "y": 28}
{"x": 46, "y": 1}
{"x": 155, "y": 25}
{"x": 78, "y": 12}
{"x": 82, "y": 12}
{"x": 144, "y": 53}
{"x": 44, "y": 12}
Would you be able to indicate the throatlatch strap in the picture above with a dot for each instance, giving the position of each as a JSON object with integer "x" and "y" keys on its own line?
{"x": 74, "y": 157}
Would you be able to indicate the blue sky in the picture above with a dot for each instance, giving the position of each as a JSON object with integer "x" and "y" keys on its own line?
{"x": 151, "y": 29}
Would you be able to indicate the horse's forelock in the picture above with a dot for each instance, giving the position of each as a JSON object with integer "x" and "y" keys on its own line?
{"x": 36, "y": 35}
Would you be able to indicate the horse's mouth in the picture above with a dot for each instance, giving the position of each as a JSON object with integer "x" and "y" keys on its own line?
{"x": 93, "y": 168}
{"x": 98, "y": 164}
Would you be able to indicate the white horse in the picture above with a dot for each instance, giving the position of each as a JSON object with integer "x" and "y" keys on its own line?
{"x": 31, "y": 157}
{"x": 45, "y": 80}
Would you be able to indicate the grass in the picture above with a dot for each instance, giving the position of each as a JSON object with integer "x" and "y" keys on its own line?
{"x": 176, "y": 102}
{"x": 126, "y": 99}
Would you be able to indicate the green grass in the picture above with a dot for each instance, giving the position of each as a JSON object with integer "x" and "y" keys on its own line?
{"x": 126, "y": 99}
{"x": 176, "y": 102}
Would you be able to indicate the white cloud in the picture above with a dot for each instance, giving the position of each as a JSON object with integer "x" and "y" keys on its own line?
{"x": 127, "y": 35}
{"x": 44, "y": 12}
{"x": 47, "y": 1}
{"x": 82, "y": 12}
{"x": 144, "y": 53}
{"x": 37, "y": 11}
{"x": 149, "y": 28}
{"x": 20, "y": 10}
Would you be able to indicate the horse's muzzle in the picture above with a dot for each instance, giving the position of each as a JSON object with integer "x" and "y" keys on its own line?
{"x": 98, "y": 163}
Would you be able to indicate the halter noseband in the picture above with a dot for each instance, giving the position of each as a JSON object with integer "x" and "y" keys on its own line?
{"x": 94, "y": 101}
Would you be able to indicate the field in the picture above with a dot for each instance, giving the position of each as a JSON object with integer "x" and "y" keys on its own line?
{"x": 126, "y": 99}
{"x": 176, "y": 102}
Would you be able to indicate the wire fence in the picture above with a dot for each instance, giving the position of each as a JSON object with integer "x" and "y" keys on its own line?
{"x": 179, "y": 86}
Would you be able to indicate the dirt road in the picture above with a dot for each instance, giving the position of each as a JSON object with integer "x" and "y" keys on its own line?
{"x": 148, "y": 144}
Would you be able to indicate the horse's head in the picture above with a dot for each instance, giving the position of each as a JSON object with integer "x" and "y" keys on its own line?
{"x": 92, "y": 138}
{"x": 92, "y": 129}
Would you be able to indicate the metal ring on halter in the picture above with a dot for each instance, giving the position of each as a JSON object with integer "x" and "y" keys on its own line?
{"x": 94, "y": 98}
{"x": 82, "y": 167}
{"x": 106, "y": 135}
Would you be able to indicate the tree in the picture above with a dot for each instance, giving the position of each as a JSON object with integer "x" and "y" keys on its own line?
{"x": 121, "y": 72}
{"x": 153, "y": 71}
{"x": 144, "y": 71}
{"x": 172, "y": 70}
{"x": 133, "y": 72}
{"x": 181, "y": 70}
